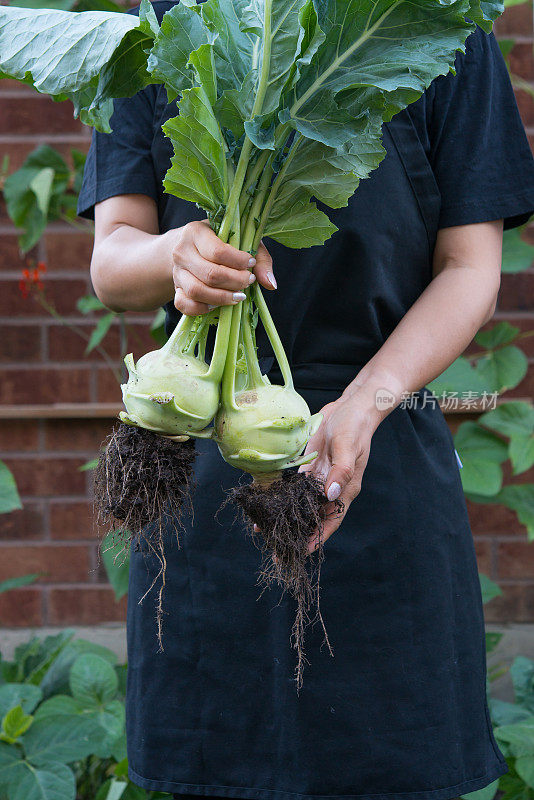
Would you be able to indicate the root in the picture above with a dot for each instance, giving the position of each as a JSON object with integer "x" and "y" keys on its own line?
{"x": 288, "y": 512}
{"x": 142, "y": 484}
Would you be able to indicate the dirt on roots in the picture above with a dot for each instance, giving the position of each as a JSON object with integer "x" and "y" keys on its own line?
{"x": 288, "y": 512}
{"x": 142, "y": 484}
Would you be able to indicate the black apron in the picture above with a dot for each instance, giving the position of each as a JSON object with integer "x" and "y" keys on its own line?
{"x": 400, "y": 710}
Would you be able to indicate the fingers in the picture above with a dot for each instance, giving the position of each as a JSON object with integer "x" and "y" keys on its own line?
{"x": 212, "y": 249}
{"x": 197, "y": 291}
{"x": 217, "y": 276}
{"x": 264, "y": 268}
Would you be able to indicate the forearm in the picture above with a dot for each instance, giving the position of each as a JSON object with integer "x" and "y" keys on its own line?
{"x": 132, "y": 270}
{"x": 436, "y": 330}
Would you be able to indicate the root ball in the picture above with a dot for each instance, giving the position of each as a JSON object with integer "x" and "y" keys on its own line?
{"x": 142, "y": 483}
{"x": 288, "y": 512}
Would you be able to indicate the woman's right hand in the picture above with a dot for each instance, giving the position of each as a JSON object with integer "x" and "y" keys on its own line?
{"x": 208, "y": 273}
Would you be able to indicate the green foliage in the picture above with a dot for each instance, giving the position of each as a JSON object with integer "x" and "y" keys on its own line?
{"x": 62, "y": 733}
{"x": 9, "y": 496}
{"x": 91, "y": 57}
{"x": 41, "y": 191}
{"x": 116, "y": 562}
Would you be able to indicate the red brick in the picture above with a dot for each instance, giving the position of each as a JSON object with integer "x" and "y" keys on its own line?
{"x": 19, "y": 343}
{"x": 517, "y": 292}
{"x": 47, "y": 385}
{"x": 108, "y": 390}
{"x": 36, "y": 114}
{"x": 70, "y": 251}
{"x": 55, "y": 563}
{"x": 515, "y": 605}
{"x": 10, "y": 255}
{"x": 515, "y": 20}
{"x": 493, "y": 520}
{"x": 24, "y": 525}
{"x": 48, "y": 477}
{"x": 524, "y": 390}
{"x": 21, "y": 608}
{"x": 483, "y": 554}
{"x": 70, "y": 521}
{"x": 74, "y": 434}
{"x": 19, "y": 435}
{"x": 525, "y": 103}
{"x": 66, "y": 345}
{"x": 88, "y": 606}
{"x": 522, "y": 60}
{"x": 62, "y": 294}
{"x": 8, "y": 85}
{"x": 515, "y": 560}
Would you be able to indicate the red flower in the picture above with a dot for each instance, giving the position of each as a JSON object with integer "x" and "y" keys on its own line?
{"x": 31, "y": 279}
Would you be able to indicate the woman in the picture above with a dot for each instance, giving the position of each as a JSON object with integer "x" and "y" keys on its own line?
{"x": 384, "y": 307}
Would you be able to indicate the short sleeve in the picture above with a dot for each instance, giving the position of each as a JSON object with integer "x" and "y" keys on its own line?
{"x": 479, "y": 151}
{"x": 121, "y": 162}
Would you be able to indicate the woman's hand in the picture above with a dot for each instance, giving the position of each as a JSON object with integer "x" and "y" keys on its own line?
{"x": 343, "y": 442}
{"x": 208, "y": 273}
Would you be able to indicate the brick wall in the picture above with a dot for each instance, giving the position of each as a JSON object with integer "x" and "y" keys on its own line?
{"x": 42, "y": 362}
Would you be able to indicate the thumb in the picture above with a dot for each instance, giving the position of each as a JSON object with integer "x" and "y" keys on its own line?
{"x": 342, "y": 469}
{"x": 264, "y": 268}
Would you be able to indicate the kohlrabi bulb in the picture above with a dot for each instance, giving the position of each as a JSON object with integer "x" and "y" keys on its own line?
{"x": 169, "y": 393}
{"x": 267, "y": 430}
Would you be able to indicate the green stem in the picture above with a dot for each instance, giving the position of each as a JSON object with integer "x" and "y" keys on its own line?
{"x": 249, "y": 233}
{"x": 274, "y": 191}
{"x": 272, "y": 333}
{"x": 254, "y": 376}
{"x": 228, "y": 380}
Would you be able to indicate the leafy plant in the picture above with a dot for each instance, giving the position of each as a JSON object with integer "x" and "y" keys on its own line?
{"x": 62, "y": 732}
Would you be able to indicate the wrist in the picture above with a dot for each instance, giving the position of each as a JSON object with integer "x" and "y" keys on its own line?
{"x": 378, "y": 392}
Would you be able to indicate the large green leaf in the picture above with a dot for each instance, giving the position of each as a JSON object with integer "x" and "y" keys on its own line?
{"x": 11, "y": 764}
{"x": 300, "y": 225}
{"x": 460, "y": 377}
{"x": 56, "y": 679}
{"x": 504, "y": 368}
{"x": 387, "y": 51}
{"x": 93, "y": 681}
{"x": 181, "y": 32}
{"x": 19, "y": 694}
{"x": 510, "y": 419}
{"x": 198, "y": 169}
{"x": 52, "y": 781}
{"x": 61, "y": 738}
{"x": 481, "y": 453}
{"x": 500, "y": 334}
{"x": 91, "y": 56}
{"x": 519, "y": 737}
{"x": 9, "y": 496}
{"x": 517, "y": 255}
{"x": 487, "y": 793}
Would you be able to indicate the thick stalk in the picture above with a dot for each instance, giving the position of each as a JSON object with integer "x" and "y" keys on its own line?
{"x": 228, "y": 380}
{"x": 274, "y": 191}
{"x": 272, "y": 333}
{"x": 254, "y": 376}
{"x": 220, "y": 348}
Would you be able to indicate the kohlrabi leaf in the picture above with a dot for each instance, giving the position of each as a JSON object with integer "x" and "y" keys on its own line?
{"x": 202, "y": 62}
{"x": 300, "y": 224}
{"x": 198, "y": 169}
{"x": 389, "y": 51}
{"x": 89, "y": 57}
{"x": 236, "y": 51}
{"x": 485, "y": 12}
{"x": 181, "y": 32}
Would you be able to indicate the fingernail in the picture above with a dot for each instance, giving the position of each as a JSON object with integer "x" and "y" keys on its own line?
{"x": 252, "y": 262}
{"x": 272, "y": 280}
{"x": 334, "y": 490}
{"x": 251, "y": 278}
{"x": 256, "y": 528}
{"x": 238, "y": 296}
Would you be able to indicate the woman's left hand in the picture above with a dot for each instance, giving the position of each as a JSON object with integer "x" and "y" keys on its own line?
{"x": 343, "y": 442}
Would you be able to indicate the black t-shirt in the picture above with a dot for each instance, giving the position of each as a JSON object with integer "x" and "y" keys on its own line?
{"x": 459, "y": 155}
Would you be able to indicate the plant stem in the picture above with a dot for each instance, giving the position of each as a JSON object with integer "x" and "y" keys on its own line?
{"x": 228, "y": 380}
{"x": 254, "y": 376}
{"x": 274, "y": 191}
{"x": 272, "y": 333}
